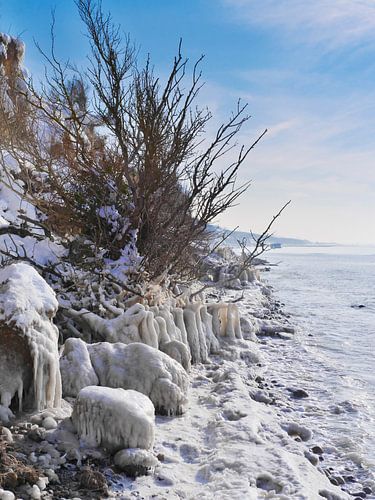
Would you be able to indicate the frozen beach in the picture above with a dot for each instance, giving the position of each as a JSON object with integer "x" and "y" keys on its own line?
{"x": 257, "y": 423}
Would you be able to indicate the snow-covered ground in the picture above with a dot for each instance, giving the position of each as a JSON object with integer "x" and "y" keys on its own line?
{"x": 235, "y": 440}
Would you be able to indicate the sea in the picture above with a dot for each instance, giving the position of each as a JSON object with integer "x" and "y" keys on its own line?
{"x": 329, "y": 294}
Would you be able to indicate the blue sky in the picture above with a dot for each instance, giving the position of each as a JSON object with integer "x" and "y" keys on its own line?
{"x": 307, "y": 70}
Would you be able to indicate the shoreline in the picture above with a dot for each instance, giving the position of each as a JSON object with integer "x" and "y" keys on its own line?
{"x": 240, "y": 437}
{"x": 234, "y": 440}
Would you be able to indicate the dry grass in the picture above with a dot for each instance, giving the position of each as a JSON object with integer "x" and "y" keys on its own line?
{"x": 13, "y": 472}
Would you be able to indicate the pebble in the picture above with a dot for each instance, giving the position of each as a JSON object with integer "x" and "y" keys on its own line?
{"x": 36, "y": 434}
{"x": 299, "y": 393}
{"x": 42, "y": 483}
{"x": 6, "y": 495}
{"x": 52, "y": 476}
{"x": 317, "y": 450}
{"x": 37, "y": 419}
{"x": 35, "y": 492}
{"x": 311, "y": 458}
{"x": 49, "y": 423}
{"x": 339, "y": 479}
{"x": 6, "y": 435}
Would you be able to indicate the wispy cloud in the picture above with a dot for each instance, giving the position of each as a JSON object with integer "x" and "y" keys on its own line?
{"x": 332, "y": 22}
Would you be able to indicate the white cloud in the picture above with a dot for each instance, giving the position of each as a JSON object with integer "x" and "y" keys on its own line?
{"x": 332, "y": 22}
{"x": 317, "y": 154}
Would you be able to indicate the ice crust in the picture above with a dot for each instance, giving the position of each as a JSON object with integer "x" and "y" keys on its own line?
{"x": 135, "y": 366}
{"x": 114, "y": 418}
{"x": 27, "y": 306}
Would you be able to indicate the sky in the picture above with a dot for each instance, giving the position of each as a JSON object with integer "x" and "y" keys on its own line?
{"x": 306, "y": 68}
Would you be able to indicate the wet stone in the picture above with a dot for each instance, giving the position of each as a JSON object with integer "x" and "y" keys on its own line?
{"x": 317, "y": 450}
{"x": 299, "y": 393}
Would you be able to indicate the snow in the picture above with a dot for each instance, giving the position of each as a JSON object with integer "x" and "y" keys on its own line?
{"x": 114, "y": 418}
{"x": 135, "y": 366}
{"x": 76, "y": 368}
{"x": 27, "y": 306}
{"x": 230, "y": 444}
{"x": 3, "y": 222}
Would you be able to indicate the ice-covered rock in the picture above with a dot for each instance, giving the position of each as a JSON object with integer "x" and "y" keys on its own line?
{"x": 114, "y": 418}
{"x": 135, "y": 461}
{"x": 6, "y": 495}
{"x": 187, "y": 333}
{"x": 76, "y": 368}
{"x": 29, "y": 358}
{"x": 134, "y": 366}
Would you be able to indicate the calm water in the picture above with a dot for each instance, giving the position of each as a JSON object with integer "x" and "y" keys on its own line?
{"x": 333, "y": 353}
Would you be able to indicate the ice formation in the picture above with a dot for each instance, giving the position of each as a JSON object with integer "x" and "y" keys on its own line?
{"x": 76, "y": 368}
{"x": 135, "y": 366}
{"x": 28, "y": 339}
{"x": 188, "y": 332}
{"x": 114, "y": 418}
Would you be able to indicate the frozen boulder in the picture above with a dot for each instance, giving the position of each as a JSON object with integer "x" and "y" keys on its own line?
{"x": 114, "y": 418}
{"x": 145, "y": 369}
{"x": 29, "y": 358}
{"x": 134, "y": 366}
{"x": 76, "y": 368}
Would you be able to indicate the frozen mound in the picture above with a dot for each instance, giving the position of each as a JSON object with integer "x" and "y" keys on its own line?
{"x": 196, "y": 328}
{"x": 114, "y": 418}
{"x": 76, "y": 368}
{"x": 29, "y": 358}
{"x": 134, "y": 325}
{"x": 135, "y": 366}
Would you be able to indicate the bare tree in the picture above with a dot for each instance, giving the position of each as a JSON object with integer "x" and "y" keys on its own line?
{"x": 259, "y": 244}
{"x": 150, "y": 173}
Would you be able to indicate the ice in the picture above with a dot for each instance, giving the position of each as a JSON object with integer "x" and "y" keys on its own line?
{"x": 135, "y": 461}
{"x": 229, "y": 445}
{"x": 114, "y": 418}
{"x": 27, "y": 306}
{"x": 226, "y": 320}
{"x": 135, "y": 366}
{"x": 76, "y": 368}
